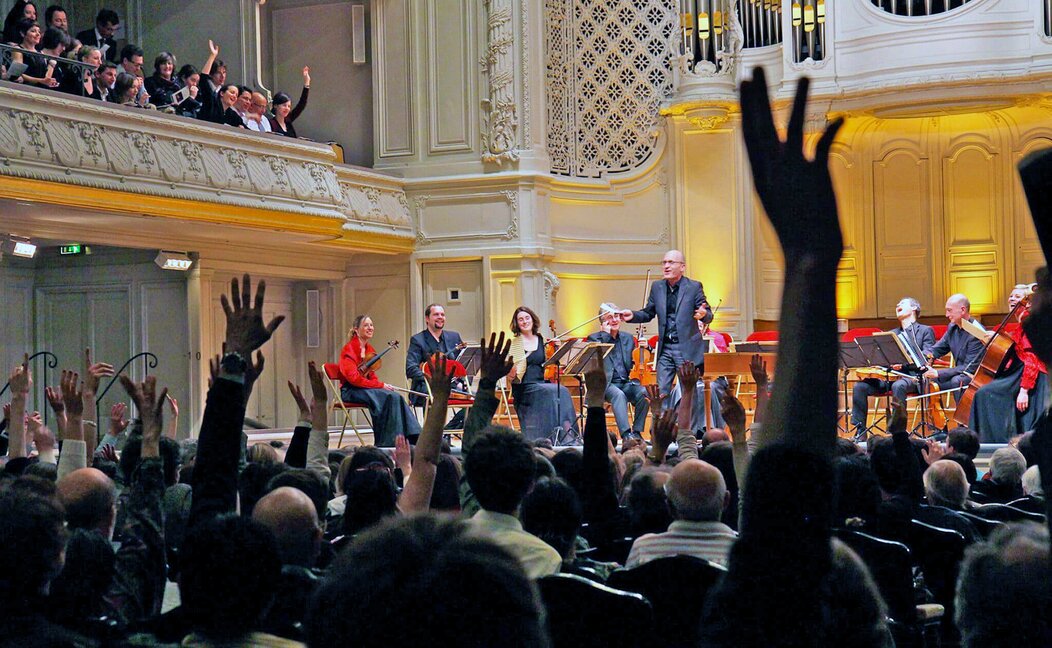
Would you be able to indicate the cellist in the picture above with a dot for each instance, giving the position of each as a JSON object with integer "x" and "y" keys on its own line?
{"x": 621, "y": 389}
{"x": 967, "y": 350}
{"x": 1011, "y": 403}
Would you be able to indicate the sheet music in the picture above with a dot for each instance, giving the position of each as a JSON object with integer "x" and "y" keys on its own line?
{"x": 975, "y": 329}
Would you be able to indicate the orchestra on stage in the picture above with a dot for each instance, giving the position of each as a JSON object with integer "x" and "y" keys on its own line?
{"x": 957, "y": 374}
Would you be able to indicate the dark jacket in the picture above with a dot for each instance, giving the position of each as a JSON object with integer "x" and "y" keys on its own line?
{"x": 87, "y": 37}
{"x": 921, "y": 338}
{"x": 161, "y": 89}
{"x": 967, "y": 351}
{"x": 627, "y": 344}
{"x": 293, "y": 116}
{"x": 691, "y": 297}
{"x": 421, "y": 346}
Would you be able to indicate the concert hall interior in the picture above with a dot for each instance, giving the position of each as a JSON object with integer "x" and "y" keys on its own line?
{"x": 506, "y": 153}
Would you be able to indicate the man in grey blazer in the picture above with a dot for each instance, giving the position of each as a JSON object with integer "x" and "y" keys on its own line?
{"x": 620, "y": 388}
{"x": 677, "y": 301}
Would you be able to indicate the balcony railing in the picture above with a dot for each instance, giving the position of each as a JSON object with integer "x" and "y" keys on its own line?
{"x": 921, "y": 7}
{"x": 54, "y": 137}
{"x": 67, "y": 68}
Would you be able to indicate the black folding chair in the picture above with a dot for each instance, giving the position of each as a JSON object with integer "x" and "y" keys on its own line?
{"x": 1007, "y": 513}
{"x": 676, "y": 587}
{"x": 984, "y": 526}
{"x": 582, "y": 613}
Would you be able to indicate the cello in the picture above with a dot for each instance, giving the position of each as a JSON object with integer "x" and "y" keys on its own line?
{"x": 994, "y": 359}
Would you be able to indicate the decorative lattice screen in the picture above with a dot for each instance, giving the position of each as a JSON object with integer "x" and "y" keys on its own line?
{"x": 608, "y": 69}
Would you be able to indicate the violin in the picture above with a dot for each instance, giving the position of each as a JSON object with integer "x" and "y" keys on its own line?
{"x": 550, "y": 347}
{"x": 372, "y": 361}
{"x": 643, "y": 356}
{"x": 995, "y": 357}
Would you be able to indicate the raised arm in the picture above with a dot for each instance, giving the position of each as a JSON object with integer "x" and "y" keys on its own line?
{"x": 416, "y": 496}
{"x": 94, "y": 372}
{"x": 797, "y": 195}
{"x": 206, "y": 69}
{"x": 219, "y": 444}
{"x": 74, "y": 454}
{"x": 600, "y": 498}
{"x": 21, "y": 380}
{"x": 494, "y": 364}
{"x": 688, "y": 383}
{"x": 139, "y": 574}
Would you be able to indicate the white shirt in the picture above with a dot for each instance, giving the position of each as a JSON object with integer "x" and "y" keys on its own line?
{"x": 710, "y": 541}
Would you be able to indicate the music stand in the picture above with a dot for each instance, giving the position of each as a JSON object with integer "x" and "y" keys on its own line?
{"x": 579, "y": 362}
{"x": 559, "y": 359}
{"x": 471, "y": 357}
{"x": 849, "y": 357}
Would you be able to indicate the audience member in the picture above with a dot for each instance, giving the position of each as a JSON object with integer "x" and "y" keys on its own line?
{"x": 105, "y": 80}
{"x": 255, "y": 118}
{"x": 1004, "y": 481}
{"x": 697, "y": 495}
{"x": 964, "y": 441}
{"x": 500, "y": 469}
{"x": 477, "y": 592}
{"x": 38, "y": 72}
{"x": 284, "y": 114}
{"x": 189, "y": 77}
{"x": 101, "y": 36}
{"x": 131, "y": 61}
{"x": 1005, "y": 590}
{"x": 1032, "y": 482}
{"x": 21, "y": 10}
{"x": 55, "y": 16}
{"x": 163, "y": 83}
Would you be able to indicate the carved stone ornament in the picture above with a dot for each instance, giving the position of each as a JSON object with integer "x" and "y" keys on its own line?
{"x": 52, "y": 137}
{"x": 500, "y": 133}
{"x": 551, "y": 287}
{"x": 608, "y": 69}
{"x": 709, "y": 123}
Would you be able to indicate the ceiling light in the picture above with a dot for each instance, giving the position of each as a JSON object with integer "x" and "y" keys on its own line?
{"x": 173, "y": 261}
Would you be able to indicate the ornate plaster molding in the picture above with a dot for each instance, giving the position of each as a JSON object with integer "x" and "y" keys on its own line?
{"x": 83, "y": 143}
{"x": 500, "y": 140}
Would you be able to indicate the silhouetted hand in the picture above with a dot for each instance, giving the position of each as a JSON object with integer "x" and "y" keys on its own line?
{"x": 796, "y": 193}
{"x": 441, "y": 378}
{"x": 733, "y": 412}
{"x": 758, "y": 368}
{"x": 245, "y": 331}
{"x": 663, "y": 434}
{"x": 150, "y": 405}
{"x": 688, "y": 377}
{"x": 72, "y": 394}
{"x": 897, "y": 422}
{"x": 301, "y": 402}
{"x": 595, "y": 382}
{"x": 494, "y": 362}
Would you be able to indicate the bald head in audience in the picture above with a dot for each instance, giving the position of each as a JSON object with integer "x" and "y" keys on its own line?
{"x": 715, "y": 435}
{"x": 293, "y": 519}
{"x": 945, "y": 484}
{"x": 90, "y": 500}
{"x": 697, "y": 492}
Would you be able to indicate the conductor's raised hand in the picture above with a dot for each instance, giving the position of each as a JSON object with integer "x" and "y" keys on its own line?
{"x": 796, "y": 193}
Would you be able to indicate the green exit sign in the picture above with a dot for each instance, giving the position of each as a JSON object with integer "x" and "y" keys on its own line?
{"x": 72, "y": 248}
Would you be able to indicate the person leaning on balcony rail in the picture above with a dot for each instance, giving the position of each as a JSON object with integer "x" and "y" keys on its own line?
{"x": 105, "y": 79}
{"x": 126, "y": 89}
{"x": 29, "y": 39}
{"x": 256, "y": 118}
{"x": 284, "y": 114}
{"x": 21, "y": 11}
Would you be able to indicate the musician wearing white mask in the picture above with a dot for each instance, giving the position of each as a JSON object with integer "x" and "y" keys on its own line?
{"x": 621, "y": 389}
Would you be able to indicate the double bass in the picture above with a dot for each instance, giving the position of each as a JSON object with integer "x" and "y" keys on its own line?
{"x": 995, "y": 357}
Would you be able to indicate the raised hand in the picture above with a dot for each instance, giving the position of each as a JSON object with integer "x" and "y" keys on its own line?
{"x": 301, "y": 402}
{"x": 441, "y": 378}
{"x": 688, "y": 377}
{"x": 595, "y": 382}
{"x": 117, "y": 421}
{"x": 150, "y": 405}
{"x": 934, "y": 451}
{"x": 173, "y": 405}
{"x": 94, "y": 372}
{"x": 403, "y": 456}
{"x": 213, "y": 49}
{"x": 54, "y": 398}
{"x": 72, "y": 393}
{"x": 252, "y": 372}
{"x": 317, "y": 385}
{"x": 663, "y": 434}
{"x": 21, "y": 378}
{"x": 733, "y": 412}
{"x": 33, "y": 423}
{"x": 245, "y": 331}
{"x": 655, "y": 398}
{"x": 306, "y": 76}
{"x": 495, "y": 363}
{"x": 796, "y": 193}
{"x": 758, "y": 368}
{"x": 43, "y": 438}
{"x": 107, "y": 452}
{"x": 897, "y": 422}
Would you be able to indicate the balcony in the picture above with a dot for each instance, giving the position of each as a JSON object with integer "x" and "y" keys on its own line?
{"x": 65, "y": 150}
